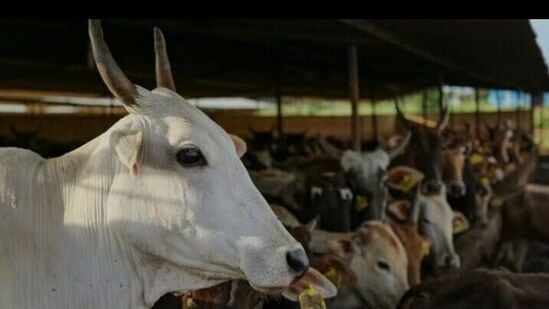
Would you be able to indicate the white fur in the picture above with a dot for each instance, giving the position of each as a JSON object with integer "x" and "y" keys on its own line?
{"x": 83, "y": 231}
{"x": 365, "y": 165}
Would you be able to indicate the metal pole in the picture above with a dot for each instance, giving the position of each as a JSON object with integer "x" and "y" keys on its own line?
{"x": 517, "y": 114}
{"x": 374, "y": 114}
{"x": 278, "y": 94}
{"x": 440, "y": 100}
{"x": 354, "y": 91}
{"x": 542, "y": 121}
{"x": 536, "y": 100}
{"x": 424, "y": 106}
{"x": 531, "y": 125}
{"x": 498, "y": 99}
{"x": 477, "y": 113}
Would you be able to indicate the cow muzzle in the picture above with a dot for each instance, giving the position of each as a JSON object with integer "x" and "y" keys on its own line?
{"x": 432, "y": 187}
{"x": 452, "y": 261}
{"x": 456, "y": 188}
{"x": 298, "y": 262}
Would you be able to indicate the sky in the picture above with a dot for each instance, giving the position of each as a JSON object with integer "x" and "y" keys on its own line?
{"x": 541, "y": 27}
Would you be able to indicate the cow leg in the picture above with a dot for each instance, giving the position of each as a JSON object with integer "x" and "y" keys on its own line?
{"x": 520, "y": 249}
{"x": 504, "y": 255}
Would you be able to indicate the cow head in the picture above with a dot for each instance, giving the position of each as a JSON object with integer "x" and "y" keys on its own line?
{"x": 426, "y": 149}
{"x": 436, "y": 223}
{"x": 501, "y": 138}
{"x": 181, "y": 198}
{"x": 367, "y": 170}
{"x": 332, "y": 200}
{"x": 378, "y": 259}
{"x": 455, "y": 156}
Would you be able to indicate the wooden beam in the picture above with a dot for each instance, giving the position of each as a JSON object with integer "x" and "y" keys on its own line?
{"x": 354, "y": 91}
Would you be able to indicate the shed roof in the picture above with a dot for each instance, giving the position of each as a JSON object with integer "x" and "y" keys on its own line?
{"x": 213, "y": 58}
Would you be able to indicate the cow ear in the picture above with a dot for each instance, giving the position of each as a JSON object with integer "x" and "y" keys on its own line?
{"x": 399, "y": 210}
{"x": 344, "y": 247}
{"x": 127, "y": 145}
{"x": 239, "y": 145}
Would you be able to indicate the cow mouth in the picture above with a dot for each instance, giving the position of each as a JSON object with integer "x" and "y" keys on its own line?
{"x": 312, "y": 278}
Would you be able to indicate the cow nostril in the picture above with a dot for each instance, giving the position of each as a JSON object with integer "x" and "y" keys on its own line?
{"x": 456, "y": 189}
{"x": 453, "y": 261}
{"x": 433, "y": 187}
{"x": 298, "y": 261}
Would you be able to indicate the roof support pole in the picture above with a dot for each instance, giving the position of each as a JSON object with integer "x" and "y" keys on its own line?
{"x": 424, "y": 106}
{"x": 354, "y": 91}
{"x": 278, "y": 97}
{"x": 498, "y": 100}
{"x": 536, "y": 100}
{"x": 441, "y": 102}
{"x": 374, "y": 115}
{"x": 477, "y": 113}
{"x": 518, "y": 112}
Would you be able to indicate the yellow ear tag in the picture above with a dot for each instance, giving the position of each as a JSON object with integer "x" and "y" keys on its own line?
{"x": 333, "y": 276}
{"x": 361, "y": 203}
{"x": 425, "y": 248}
{"x": 459, "y": 225}
{"x": 476, "y": 159}
{"x": 407, "y": 183}
{"x": 485, "y": 181}
{"x": 311, "y": 299}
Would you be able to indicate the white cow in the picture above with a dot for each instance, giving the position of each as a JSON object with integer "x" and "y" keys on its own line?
{"x": 158, "y": 203}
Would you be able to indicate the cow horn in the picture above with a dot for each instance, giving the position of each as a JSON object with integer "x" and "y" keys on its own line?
{"x": 443, "y": 121}
{"x": 397, "y": 150}
{"x": 330, "y": 149}
{"x": 400, "y": 117}
{"x": 164, "y": 77}
{"x": 117, "y": 82}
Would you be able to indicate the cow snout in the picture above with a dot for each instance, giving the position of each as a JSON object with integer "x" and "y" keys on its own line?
{"x": 432, "y": 187}
{"x": 298, "y": 262}
{"x": 453, "y": 261}
{"x": 456, "y": 188}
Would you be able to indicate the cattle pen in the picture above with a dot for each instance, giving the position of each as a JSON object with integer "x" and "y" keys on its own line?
{"x": 406, "y": 161}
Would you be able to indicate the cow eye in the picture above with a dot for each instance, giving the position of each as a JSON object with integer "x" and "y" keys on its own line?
{"x": 190, "y": 156}
{"x": 383, "y": 265}
{"x": 426, "y": 220}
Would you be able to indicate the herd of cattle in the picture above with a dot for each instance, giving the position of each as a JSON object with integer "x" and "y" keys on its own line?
{"x": 434, "y": 205}
{"x": 165, "y": 209}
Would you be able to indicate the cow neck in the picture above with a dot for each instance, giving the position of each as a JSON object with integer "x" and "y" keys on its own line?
{"x": 92, "y": 167}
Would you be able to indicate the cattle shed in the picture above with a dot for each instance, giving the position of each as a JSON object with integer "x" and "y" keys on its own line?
{"x": 162, "y": 208}
{"x": 356, "y": 59}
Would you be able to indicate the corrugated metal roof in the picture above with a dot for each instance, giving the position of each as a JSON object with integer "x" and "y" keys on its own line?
{"x": 243, "y": 57}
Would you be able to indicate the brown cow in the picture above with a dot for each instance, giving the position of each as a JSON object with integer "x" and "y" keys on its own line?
{"x": 377, "y": 257}
{"x": 405, "y": 216}
{"x": 480, "y": 289}
{"x": 525, "y": 217}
